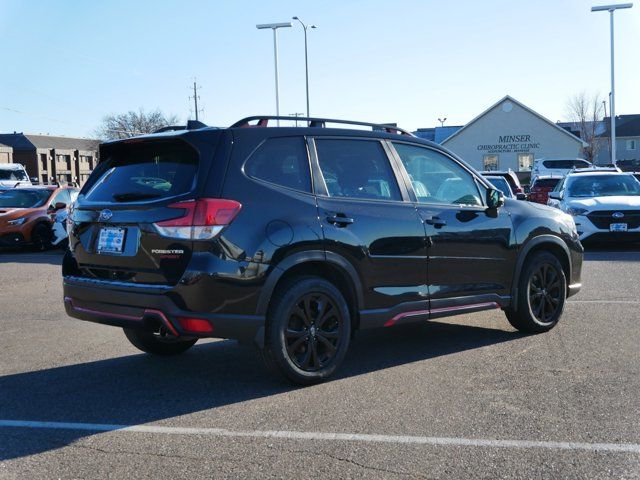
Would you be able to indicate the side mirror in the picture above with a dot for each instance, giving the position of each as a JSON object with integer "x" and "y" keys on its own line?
{"x": 60, "y": 206}
{"x": 555, "y": 195}
{"x": 495, "y": 198}
{"x": 521, "y": 196}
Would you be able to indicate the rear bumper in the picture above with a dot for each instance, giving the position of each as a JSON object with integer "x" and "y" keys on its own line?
{"x": 112, "y": 303}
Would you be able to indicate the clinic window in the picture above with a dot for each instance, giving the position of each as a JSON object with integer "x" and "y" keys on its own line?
{"x": 525, "y": 162}
{"x": 490, "y": 163}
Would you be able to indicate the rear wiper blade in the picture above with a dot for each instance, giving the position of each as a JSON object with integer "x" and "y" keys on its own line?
{"x": 131, "y": 196}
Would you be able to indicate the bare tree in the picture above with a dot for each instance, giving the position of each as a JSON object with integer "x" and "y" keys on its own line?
{"x": 586, "y": 113}
{"x": 130, "y": 124}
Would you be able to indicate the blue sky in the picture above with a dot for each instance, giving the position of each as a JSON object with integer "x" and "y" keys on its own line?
{"x": 64, "y": 64}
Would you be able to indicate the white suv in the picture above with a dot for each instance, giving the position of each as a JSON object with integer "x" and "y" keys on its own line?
{"x": 604, "y": 204}
{"x": 557, "y": 167}
{"x": 13, "y": 175}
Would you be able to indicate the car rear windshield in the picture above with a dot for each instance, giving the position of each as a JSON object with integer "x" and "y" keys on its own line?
{"x": 11, "y": 175}
{"x": 501, "y": 184}
{"x": 545, "y": 183}
{"x": 145, "y": 171}
{"x": 19, "y": 198}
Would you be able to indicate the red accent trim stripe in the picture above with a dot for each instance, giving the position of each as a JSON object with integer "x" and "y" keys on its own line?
{"x": 121, "y": 316}
{"x": 414, "y": 313}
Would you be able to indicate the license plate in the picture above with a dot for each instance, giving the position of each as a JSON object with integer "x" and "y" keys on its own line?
{"x": 618, "y": 227}
{"x": 111, "y": 240}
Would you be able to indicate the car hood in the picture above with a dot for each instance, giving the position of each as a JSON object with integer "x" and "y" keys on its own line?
{"x": 621, "y": 202}
{"x": 13, "y": 213}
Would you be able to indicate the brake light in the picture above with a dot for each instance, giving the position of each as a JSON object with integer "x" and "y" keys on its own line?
{"x": 202, "y": 219}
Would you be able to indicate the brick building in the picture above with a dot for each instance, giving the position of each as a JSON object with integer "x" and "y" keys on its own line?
{"x": 6, "y": 154}
{"x": 53, "y": 159}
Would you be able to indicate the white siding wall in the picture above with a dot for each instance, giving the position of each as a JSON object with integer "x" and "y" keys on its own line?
{"x": 480, "y": 138}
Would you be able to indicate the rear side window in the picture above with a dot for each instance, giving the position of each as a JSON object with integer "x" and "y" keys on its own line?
{"x": 566, "y": 164}
{"x": 283, "y": 161}
{"x": 357, "y": 169}
{"x": 147, "y": 171}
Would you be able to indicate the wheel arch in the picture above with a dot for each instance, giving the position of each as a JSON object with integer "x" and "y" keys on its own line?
{"x": 328, "y": 265}
{"x": 546, "y": 243}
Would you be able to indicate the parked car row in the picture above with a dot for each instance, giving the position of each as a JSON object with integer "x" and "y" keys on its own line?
{"x": 35, "y": 216}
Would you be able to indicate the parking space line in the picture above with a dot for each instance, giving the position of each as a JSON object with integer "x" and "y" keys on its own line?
{"x": 324, "y": 436}
{"x": 619, "y": 302}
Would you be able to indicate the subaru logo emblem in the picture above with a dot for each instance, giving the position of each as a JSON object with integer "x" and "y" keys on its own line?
{"x": 105, "y": 215}
{"x": 617, "y": 214}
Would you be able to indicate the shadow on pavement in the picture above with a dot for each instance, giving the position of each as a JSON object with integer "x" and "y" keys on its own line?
{"x": 51, "y": 257}
{"x": 138, "y": 389}
{"x": 629, "y": 252}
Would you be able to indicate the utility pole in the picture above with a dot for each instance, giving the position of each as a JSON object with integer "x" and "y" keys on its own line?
{"x": 195, "y": 98}
{"x": 298, "y": 114}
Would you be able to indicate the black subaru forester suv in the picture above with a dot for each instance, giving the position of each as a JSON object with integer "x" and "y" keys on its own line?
{"x": 296, "y": 237}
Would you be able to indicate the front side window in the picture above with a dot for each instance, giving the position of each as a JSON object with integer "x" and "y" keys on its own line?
{"x": 282, "y": 161}
{"x": 437, "y": 178}
{"x": 61, "y": 197}
{"x": 525, "y": 161}
{"x": 357, "y": 169}
{"x": 490, "y": 163}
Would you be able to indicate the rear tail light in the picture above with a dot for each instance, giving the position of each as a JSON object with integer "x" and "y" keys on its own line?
{"x": 202, "y": 219}
{"x": 195, "y": 325}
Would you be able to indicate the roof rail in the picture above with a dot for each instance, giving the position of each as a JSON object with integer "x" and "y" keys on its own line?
{"x": 191, "y": 125}
{"x": 263, "y": 121}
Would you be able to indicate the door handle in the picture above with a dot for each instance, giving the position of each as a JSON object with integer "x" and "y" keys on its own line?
{"x": 339, "y": 219}
{"x": 435, "y": 221}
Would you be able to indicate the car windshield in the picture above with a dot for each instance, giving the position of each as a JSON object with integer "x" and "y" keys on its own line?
{"x": 13, "y": 175}
{"x": 603, "y": 186}
{"x": 19, "y": 198}
{"x": 501, "y": 184}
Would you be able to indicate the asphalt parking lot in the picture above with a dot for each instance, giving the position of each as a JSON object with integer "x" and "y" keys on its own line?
{"x": 463, "y": 398}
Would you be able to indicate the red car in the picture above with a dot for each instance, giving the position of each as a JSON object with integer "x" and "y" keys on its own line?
{"x": 540, "y": 188}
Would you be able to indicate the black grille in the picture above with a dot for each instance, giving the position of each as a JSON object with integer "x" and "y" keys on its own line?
{"x": 604, "y": 218}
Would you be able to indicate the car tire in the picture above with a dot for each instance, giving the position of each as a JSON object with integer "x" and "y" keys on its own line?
{"x": 542, "y": 294}
{"x": 41, "y": 237}
{"x": 308, "y": 330}
{"x": 152, "y": 342}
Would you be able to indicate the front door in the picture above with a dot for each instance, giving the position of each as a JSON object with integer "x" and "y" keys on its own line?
{"x": 471, "y": 247}
{"x": 368, "y": 219}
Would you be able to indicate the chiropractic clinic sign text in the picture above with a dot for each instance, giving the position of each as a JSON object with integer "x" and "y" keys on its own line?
{"x": 511, "y": 143}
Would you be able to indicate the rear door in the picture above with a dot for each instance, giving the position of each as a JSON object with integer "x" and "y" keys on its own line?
{"x": 137, "y": 185}
{"x": 367, "y": 218}
{"x": 471, "y": 248}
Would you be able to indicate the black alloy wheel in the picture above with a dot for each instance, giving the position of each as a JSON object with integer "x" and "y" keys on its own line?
{"x": 313, "y": 331}
{"x": 541, "y": 294}
{"x": 41, "y": 237}
{"x": 545, "y": 292}
{"x": 308, "y": 330}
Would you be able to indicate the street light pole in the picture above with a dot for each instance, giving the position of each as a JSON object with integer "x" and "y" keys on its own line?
{"x": 612, "y": 102}
{"x": 306, "y": 57}
{"x": 275, "y": 27}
